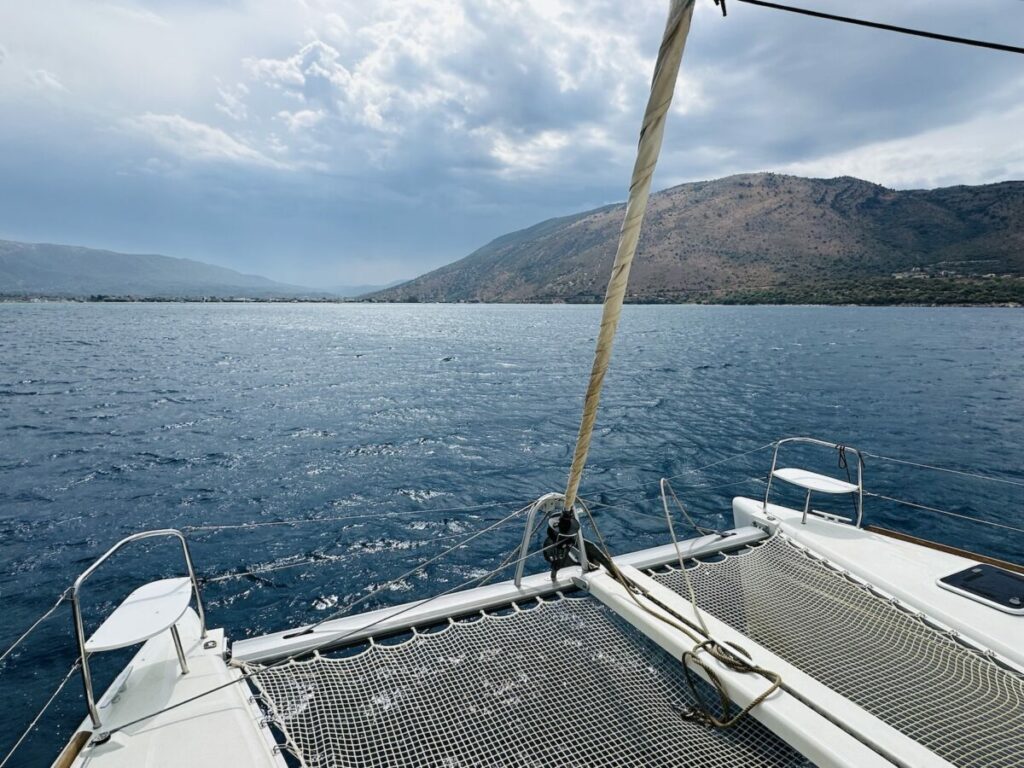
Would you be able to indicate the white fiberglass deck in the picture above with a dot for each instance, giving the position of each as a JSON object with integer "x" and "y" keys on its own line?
{"x": 221, "y": 730}
{"x": 565, "y": 681}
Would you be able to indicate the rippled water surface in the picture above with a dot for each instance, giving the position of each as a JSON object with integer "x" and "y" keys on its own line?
{"x": 383, "y": 421}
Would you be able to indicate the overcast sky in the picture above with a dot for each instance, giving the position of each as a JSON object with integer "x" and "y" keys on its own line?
{"x": 332, "y": 142}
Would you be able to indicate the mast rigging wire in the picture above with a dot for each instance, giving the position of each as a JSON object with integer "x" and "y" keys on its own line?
{"x": 879, "y": 25}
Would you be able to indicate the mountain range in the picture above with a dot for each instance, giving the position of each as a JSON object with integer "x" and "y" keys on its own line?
{"x": 68, "y": 271}
{"x": 765, "y": 238}
{"x": 751, "y": 238}
{"x": 41, "y": 269}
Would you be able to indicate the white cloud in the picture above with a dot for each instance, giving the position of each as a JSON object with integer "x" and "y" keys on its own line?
{"x": 134, "y": 13}
{"x": 197, "y": 141}
{"x": 437, "y": 87}
{"x": 989, "y": 147}
{"x": 314, "y": 73}
{"x": 232, "y": 101}
{"x": 301, "y": 120}
{"x": 499, "y": 113}
{"x": 448, "y": 85}
{"x": 45, "y": 80}
{"x": 529, "y": 154}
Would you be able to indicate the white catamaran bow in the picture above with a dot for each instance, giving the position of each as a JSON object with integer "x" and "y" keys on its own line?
{"x": 796, "y": 637}
{"x": 814, "y": 639}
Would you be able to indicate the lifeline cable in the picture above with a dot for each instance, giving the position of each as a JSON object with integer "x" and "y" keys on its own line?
{"x": 330, "y": 643}
{"x": 39, "y": 714}
{"x": 886, "y": 27}
{"x": 962, "y": 472}
{"x": 926, "y": 508}
{"x": 40, "y": 620}
{"x": 410, "y": 572}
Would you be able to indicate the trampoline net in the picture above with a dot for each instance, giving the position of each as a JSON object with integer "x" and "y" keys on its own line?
{"x": 921, "y": 681}
{"x": 562, "y": 683}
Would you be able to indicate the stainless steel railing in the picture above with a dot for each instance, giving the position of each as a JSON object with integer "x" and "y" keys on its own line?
{"x": 824, "y": 444}
{"x": 76, "y": 606}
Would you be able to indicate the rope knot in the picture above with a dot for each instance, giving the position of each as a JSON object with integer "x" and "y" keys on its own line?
{"x": 700, "y": 712}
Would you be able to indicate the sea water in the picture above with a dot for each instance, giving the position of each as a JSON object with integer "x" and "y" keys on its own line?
{"x": 404, "y": 428}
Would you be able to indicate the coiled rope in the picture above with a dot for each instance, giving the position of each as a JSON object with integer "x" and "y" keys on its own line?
{"x": 700, "y": 712}
{"x": 700, "y": 635}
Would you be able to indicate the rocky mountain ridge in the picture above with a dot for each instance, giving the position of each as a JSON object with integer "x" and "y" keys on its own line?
{"x": 762, "y": 238}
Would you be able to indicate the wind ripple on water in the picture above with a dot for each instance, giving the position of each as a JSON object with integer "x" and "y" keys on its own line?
{"x": 117, "y": 418}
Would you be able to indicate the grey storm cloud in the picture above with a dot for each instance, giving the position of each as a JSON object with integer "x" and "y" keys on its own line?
{"x": 338, "y": 141}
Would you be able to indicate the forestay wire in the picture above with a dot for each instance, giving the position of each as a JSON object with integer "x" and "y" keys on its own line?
{"x": 879, "y": 25}
{"x": 663, "y": 84}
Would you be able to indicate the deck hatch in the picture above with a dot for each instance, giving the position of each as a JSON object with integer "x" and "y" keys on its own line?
{"x": 996, "y": 587}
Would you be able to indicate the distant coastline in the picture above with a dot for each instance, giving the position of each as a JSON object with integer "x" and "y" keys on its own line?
{"x": 128, "y": 299}
{"x": 1009, "y": 296}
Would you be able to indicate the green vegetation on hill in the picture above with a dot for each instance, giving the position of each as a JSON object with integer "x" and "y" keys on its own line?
{"x": 883, "y": 292}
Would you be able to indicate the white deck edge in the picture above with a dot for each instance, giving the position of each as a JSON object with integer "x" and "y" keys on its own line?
{"x": 352, "y": 629}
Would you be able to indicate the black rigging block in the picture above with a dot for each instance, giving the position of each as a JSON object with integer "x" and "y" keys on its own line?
{"x": 562, "y": 534}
